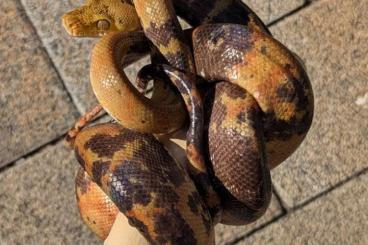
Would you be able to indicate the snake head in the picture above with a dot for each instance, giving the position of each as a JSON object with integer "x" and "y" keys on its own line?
{"x": 100, "y": 17}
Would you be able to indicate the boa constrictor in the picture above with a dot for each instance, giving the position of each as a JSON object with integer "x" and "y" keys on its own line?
{"x": 258, "y": 107}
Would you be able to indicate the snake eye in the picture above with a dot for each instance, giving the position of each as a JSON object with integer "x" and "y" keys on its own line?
{"x": 103, "y": 24}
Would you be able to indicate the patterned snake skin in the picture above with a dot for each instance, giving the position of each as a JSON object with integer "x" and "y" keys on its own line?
{"x": 257, "y": 109}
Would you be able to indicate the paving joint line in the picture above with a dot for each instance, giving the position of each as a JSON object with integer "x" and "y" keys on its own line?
{"x": 306, "y": 4}
{"x": 269, "y": 8}
{"x": 25, "y": 16}
{"x": 255, "y": 230}
{"x": 40, "y": 148}
{"x": 31, "y": 153}
{"x": 283, "y": 206}
{"x": 284, "y": 212}
{"x": 50, "y": 60}
{"x": 330, "y": 189}
{"x": 300, "y": 206}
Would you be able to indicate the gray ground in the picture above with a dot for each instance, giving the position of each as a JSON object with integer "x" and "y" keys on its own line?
{"x": 321, "y": 193}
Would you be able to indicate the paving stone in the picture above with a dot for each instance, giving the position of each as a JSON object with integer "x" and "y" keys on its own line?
{"x": 270, "y": 10}
{"x": 331, "y": 37}
{"x": 226, "y": 234}
{"x": 340, "y": 217}
{"x": 70, "y": 55}
{"x": 35, "y": 107}
{"x": 37, "y": 201}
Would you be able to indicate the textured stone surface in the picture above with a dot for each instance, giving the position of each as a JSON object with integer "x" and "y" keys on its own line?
{"x": 37, "y": 201}
{"x": 270, "y": 10}
{"x": 35, "y": 108}
{"x": 70, "y": 55}
{"x": 337, "y": 218}
{"x": 332, "y": 39}
{"x": 226, "y": 234}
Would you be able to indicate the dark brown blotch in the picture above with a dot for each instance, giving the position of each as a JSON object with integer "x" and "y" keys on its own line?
{"x": 175, "y": 176}
{"x": 163, "y": 34}
{"x": 106, "y": 145}
{"x": 241, "y": 117}
{"x": 124, "y": 192}
{"x": 79, "y": 158}
{"x": 196, "y": 11}
{"x": 232, "y": 90}
{"x": 99, "y": 169}
{"x": 130, "y": 2}
{"x": 216, "y": 35}
{"x": 207, "y": 220}
{"x": 238, "y": 13}
{"x": 286, "y": 92}
{"x": 214, "y": 61}
{"x": 264, "y": 50}
{"x": 193, "y": 203}
{"x": 157, "y": 159}
{"x": 179, "y": 59}
{"x": 179, "y": 231}
{"x": 130, "y": 184}
{"x": 82, "y": 181}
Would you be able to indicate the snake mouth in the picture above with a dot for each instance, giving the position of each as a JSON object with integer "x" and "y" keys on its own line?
{"x": 71, "y": 25}
{"x": 76, "y": 28}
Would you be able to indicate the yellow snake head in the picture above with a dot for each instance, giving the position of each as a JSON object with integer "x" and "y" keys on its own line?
{"x": 99, "y": 17}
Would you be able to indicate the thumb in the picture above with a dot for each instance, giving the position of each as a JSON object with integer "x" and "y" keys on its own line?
{"x": 124, "y": 234}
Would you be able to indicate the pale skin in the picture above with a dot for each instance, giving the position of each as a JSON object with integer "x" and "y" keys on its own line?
{"x": 123, "y": 234}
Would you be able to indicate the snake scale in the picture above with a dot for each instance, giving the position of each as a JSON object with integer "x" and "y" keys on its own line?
{"x": 252, "y": 109}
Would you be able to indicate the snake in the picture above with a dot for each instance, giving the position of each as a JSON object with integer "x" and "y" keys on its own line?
{"x": 259, "y": 107}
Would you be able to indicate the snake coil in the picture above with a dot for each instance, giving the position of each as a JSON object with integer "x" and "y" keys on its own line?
{"x": 251, "y": 111}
